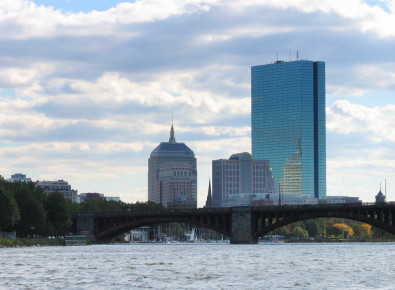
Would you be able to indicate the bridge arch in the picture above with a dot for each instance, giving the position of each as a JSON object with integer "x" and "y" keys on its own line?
{"x": 376, "y": 222}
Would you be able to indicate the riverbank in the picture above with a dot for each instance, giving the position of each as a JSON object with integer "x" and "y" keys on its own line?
{"x": 31, "y": 242}
{"x": 340, "y": 241}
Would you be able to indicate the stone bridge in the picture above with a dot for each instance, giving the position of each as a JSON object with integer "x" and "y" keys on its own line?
{"x": 243, "y": 225}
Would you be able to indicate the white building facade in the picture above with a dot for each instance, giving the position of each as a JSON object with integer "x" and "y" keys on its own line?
{"x": 60, "y": 186}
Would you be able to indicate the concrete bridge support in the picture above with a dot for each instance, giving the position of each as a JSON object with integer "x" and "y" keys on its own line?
{"x": 242, "y": 226}
{"x": 86, "y": 225}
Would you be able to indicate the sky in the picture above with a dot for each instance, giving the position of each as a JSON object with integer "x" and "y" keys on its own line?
{"x": 87, "y": 87}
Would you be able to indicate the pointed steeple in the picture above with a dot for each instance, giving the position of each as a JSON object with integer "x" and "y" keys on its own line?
{"x": 172, "y": 139}
{"x": 209, "y": 201}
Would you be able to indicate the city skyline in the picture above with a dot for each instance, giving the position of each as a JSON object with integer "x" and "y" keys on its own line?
{"x": 86, "y": 95}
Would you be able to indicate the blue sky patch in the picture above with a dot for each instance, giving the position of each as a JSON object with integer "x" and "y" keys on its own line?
{"x": 80, "y": 5}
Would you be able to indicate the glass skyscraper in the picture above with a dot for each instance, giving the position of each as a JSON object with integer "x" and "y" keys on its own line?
{"x": 288, "y": 124}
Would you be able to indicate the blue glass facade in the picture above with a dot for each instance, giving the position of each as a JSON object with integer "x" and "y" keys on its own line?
{"x": 288, "y": 124}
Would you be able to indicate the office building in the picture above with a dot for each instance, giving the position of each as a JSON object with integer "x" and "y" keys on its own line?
{"x": 60, "y": 186}
{"x": 172, "y": 175}
{"x": 288, "y": 124}
{"x": 240, "y": 174}
{"x": 19, "y": 177}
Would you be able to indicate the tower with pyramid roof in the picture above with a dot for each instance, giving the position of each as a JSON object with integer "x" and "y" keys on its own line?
{"x": 172, "y": 174}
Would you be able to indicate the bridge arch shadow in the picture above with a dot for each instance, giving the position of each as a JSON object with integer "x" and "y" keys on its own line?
{"x": 128, "y": 226}
{"x": 108, "y": 226}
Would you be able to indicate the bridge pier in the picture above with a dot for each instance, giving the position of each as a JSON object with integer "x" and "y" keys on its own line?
{"x": 86, "y": 225}
{"x": 242, "y": 226}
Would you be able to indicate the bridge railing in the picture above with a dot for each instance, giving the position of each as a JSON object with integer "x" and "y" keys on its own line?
{"x": 328, "y": 205}
{"x": 172, "y": 211}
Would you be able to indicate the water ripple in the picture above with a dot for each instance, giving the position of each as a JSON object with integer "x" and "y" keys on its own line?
{"x": 205, "y": 266}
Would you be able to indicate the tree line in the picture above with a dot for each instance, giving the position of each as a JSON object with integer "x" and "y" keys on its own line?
{"x": 27, "y": 210}
{"x": 331, "y": 228}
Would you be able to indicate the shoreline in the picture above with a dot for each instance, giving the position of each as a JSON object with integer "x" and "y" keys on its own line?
{"x": 47, "y": 242}
{"x": 30, "y": 242}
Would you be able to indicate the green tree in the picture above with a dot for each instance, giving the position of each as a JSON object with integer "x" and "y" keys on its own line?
{"x": 358, "y": 229}
{"x": 282, "y": 231}
{"x": 100, "y": 204}
{"x": 299, "y": 233}
{"x": 313, "y": 227}
{"x": 380, "y": 234}
{"x": 58, "y": 212}
{"x": 33, "y": 218}
{"x": 147, "y": 206}
{"x": 332, "y": 231}
{"x": 9, "y": 211}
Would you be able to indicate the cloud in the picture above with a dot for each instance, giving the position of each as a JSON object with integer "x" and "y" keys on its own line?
{"x": 375, "y": 123}
{"x": 92, "y": 93}
{"x": 358, "y": 172}
{"x": 24, "y": 19}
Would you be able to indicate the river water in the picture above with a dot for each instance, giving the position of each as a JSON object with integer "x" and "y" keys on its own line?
{"x": 201, "y": 266}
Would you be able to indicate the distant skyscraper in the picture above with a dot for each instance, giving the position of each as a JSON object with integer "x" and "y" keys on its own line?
{"x": 288, "y": 124}
{"x": 240, "y": 174}
{"x": 172, "y": 175}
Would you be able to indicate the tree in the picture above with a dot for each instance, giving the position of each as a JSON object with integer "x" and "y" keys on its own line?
{"x": 358, "y": 230}
{"x": 347, "y": 230}
{"x": 313, "y": 227}
{"x": 282, "y": 231}
{"x": 9, "y": 211}
{"x": 366, "y": 230}
{"x": 332, "y": 231}
{"x": 100, "y": 204}
{"x": 58, "y": 212}
{"x": 299, "y": 233}
{"x": 33, "y": 218}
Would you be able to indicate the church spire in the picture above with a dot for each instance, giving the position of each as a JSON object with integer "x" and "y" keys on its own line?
{"x": 172, "y": 139}
{"x": 209, "y": 201}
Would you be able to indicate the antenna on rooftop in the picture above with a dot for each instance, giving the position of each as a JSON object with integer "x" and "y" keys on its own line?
{"x": 385, "y": 188}
{"x": 297, "y": 54}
